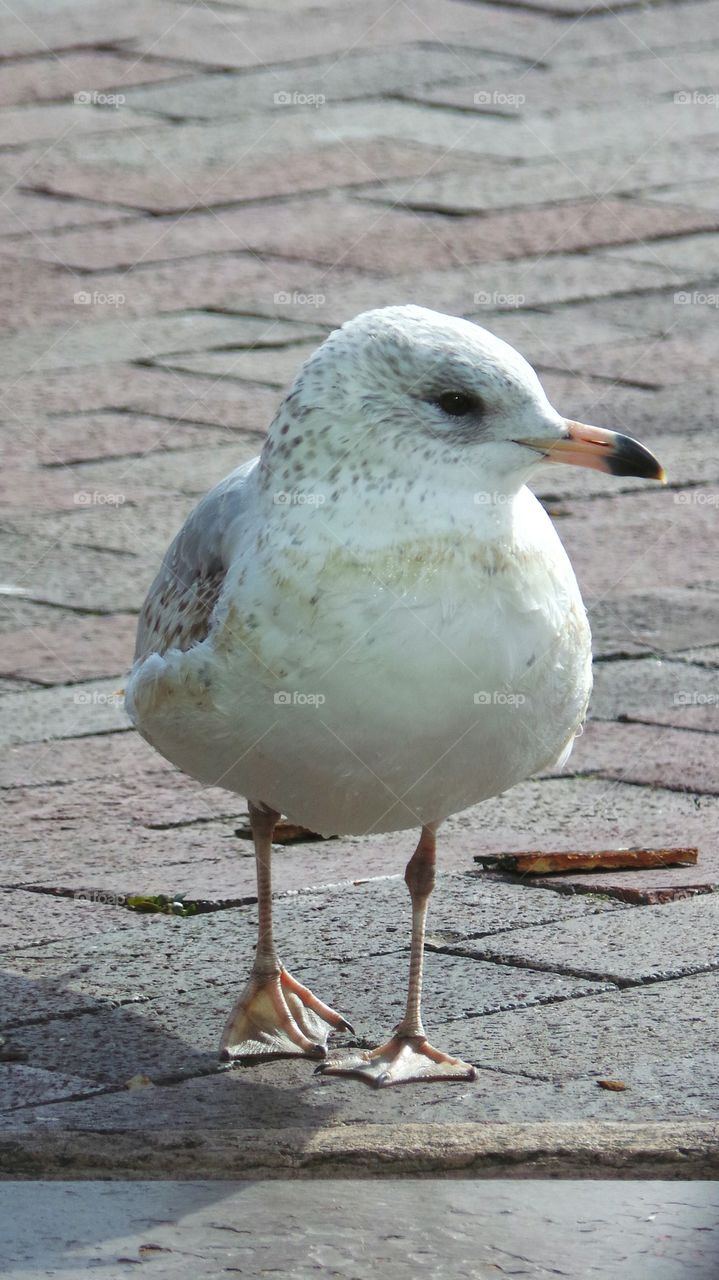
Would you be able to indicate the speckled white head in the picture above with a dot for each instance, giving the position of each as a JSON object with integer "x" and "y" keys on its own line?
{"x": 403, "y": 397}
{"x": 437, "y": 390}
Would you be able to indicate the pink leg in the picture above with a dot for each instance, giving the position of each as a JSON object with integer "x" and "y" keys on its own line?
{"x": 407, "y": 1055}
{"x": 275, "y": 1017}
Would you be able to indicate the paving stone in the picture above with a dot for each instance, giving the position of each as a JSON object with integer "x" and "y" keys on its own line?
{"x": 246, "y": 39}
{"x": 179, "y": 1032}
{"x": 545, "y": 88}
{"x": 66, "y": 27}
{"x": 370, "y": 969}
{"x": 182, "y": 471}
{"x": 654, "y": 362}
{"x": 44, "y": 122}
{"x": 143, "y": 390}
{"x": 493, "y": 287}
{"x": 649, "y": 537}
{"x": 355, "y": 75}
{"x": 43, "y": 78}
{"x": 598, "y": 173}
{"x": 272, "y": 368}
{"x": 360, "y": 235}
{"x": 692, "y": 195}
{"x": 96, "y": 341}
{"x": 23, "y": 212}
{"x": 84, "y": 582}
{"x": 660, "y": 621}
{"x": 651, "y": 755}
{"x": 656, "y": 1039}
{"x": 642, "y": 33}
{"x": 85, "y": 649}
{"x": 327, "y": 166}
{"x": 699, "y": 254}
{"x": 37, "y": 919}
{"x": 648, "y": 945}
{"x": 23, "y": 1086}
{"x": 89, "y": 437}
{"x": 17, "y": 610}
{"x": 146, "y": 529}
{"x": 71, "y": 760}
{"x": 708, "y": 657}
{"x": 656, "y": 691}
{"x": 63, "y": 711}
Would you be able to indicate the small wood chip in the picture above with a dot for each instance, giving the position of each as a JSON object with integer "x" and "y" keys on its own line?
{"x": 616, "y": 1086}
{"x": 606, "y": 859}
{"x": 285, "y": 832}
{"x": 139, "y": 1082}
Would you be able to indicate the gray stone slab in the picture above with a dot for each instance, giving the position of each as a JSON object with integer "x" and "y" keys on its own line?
{"x": 22, "y": 1086}
{"x": 628, "y": 947}
{"x": 595, "y": 173}
{"x": 288, "y": 1095}
{"x": 63, "y": 711}
{"x": 658, "y": 621}
{"x": 195, "y": 1230}
{"x": 33, "y": 919}
{"x": 524, "y": 282}
{"x": 106, "y": 335}
{"x": 177, "y": 1033}
{"x": 659, "y": 1040}
{"x": 355, "y": 75}
{"x": 660, "y": 691}
{"x": 695, "y": 253}
{"x": 42, "y": 570}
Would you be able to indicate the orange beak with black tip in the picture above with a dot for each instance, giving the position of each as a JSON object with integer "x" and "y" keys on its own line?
{"x": 585, "y": 446}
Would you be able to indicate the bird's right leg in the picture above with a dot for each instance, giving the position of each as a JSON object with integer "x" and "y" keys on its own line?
{"x": 275, "y": 1017}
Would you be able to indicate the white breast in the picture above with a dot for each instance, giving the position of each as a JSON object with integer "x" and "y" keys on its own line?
{"x": 382, "y": 693}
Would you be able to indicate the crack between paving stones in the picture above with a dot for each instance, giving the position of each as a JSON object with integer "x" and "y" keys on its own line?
{"x": 618, "y": 983}
{"x": 67, "y": 1015}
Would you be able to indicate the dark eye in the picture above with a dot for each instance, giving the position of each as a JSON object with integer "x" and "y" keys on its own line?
{"x": 457, "y": 403}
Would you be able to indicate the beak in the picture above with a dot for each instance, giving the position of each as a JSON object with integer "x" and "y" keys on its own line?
{"x": 586, "y": 446}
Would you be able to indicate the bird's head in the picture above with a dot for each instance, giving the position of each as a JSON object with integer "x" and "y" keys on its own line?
{"x": 419, "y": 389}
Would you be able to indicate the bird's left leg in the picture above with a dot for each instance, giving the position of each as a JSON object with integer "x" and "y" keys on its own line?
{"x": 408, "y": 1055}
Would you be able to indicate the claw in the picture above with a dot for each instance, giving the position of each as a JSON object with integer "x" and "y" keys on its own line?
{"x": 401, "y": 1060}
{"x": 276, "y": 1017}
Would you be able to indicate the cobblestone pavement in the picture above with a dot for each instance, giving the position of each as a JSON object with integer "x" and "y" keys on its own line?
{"x": 192, "y": 196}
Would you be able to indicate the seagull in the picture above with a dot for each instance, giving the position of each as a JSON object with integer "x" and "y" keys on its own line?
{"x": 372, "y": 626}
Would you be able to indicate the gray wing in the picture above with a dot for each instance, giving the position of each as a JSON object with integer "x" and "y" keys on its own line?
{"x": 179, "y": 606}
